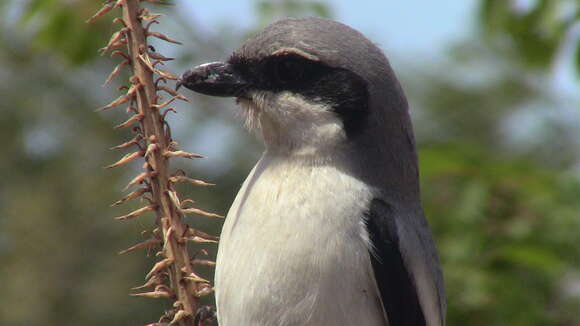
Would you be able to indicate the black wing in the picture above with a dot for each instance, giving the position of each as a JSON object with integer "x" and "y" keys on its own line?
{"x": 396, "y": 269}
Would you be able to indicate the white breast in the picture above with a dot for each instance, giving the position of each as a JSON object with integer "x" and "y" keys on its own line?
{"x": 293, "y": 250}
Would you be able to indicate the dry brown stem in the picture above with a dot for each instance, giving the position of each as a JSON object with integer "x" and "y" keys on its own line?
{"x": 173, "y": 276}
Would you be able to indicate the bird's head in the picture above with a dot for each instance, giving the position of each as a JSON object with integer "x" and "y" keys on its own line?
{"x": 311, "y": 86}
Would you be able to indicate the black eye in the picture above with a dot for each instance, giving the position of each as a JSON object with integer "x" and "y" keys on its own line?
{"x": 290, "y": 70}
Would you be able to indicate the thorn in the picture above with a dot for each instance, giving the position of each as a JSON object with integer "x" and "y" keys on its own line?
{"x": 166, "y": 103}
{"x": 167, "y": 111}
{"x": 165, "y": 319}
{"x": 167, "y": 89}
{"x": 138, "y": 179}
{"x": 129, "y": 143}
{"x": 135, "y": 87}
{"x": 194, "y": 182}
{"x": 150, "y": 149}
{"x": 163, "y": 37}
{"x": 203, "y": 262}
{"x": 145, "y": 244}
{"x": 181, "y": 154}
{"x": 167, "y": 130}
{"x": 119, "y": 20}
{"x": 168, "y": 235}
{"x": 115, "y": 71}
{"x": 120, "y": 53}
{"x": 158, "y": 62}
{"x": 129, "y": 122}
{"x": 137, "y": 212}
{"x": 159, "y": 266}
{"x": 166, "y": 74}
{"x": 120, "y": 100}
{"x": 200, "y": 212}
{"x": 152, "y": 281}
{"x": 204, "y": 291}
{"x": 137, "y": 130}
{"x": 179, "y": 172}
{"x": 181, "y": 97}
{"x": 187, "y": 201}
{"x": 198, "y": 233}
{"x": 200, "y": 240}
{"x": 196, "y": 278}
{"x": 146, "y": 62}
{"x": 158, "y": 56}
{"x": 152, "y": 295}
{"x": 174, "y": 198}
{"x": 132, "y": 109}
{"x": 181, "y": 314}
{"x": 162, "y": 105}
{"x": 158, "y": 80}
{"x": 142, "y": 48}
{"x": 148, "y": 25}
{"x": 133, "y": 195}
{"x": 115, "y": 38}
{"x": 119, "y": 44}
{"x": 147, "y": 17}
{"x": 105, "y": 9}
{"x": 125, "y": 159}
{"x": 135, "y": 80}
{"x": 172, "y": 145}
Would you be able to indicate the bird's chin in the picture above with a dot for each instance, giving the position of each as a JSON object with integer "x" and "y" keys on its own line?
{"x": 250, "y": 112}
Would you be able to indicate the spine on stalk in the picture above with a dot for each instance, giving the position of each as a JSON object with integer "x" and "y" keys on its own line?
{"x": 147, "y": 101}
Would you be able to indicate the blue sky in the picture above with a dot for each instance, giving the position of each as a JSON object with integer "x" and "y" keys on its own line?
{"x": 410, "y": 27}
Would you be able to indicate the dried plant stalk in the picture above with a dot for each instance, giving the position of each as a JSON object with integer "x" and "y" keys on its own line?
{"x": 173, "y": 276}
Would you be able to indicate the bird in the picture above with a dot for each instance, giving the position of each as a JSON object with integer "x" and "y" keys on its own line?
{"x": 328, "y": 228}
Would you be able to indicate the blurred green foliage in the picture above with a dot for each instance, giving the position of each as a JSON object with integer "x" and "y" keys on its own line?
{"x": 509, "y": 233}
{"x": 59, "y": 26}
{"x": 505, "y": 212}
{"x": 534, "y": 29}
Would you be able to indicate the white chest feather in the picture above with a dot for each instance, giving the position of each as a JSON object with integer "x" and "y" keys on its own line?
{"x": 294, "y": 250}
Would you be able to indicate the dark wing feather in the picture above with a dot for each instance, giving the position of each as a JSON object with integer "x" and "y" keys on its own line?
{"x": 397, "y": 287}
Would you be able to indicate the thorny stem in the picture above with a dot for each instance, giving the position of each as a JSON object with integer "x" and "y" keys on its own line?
{"x": 153, "y": 130}
{"x": 156, "y": 146}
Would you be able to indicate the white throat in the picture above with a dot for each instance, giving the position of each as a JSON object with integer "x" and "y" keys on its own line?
{"x": 289, "y": 124}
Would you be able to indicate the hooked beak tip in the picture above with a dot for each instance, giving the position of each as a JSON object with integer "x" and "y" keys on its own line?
{"x": 182, "y": 80}
{"x": 215, "y": 79}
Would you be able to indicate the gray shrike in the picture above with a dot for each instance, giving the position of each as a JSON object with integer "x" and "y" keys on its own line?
{"x": 328, "y": 228}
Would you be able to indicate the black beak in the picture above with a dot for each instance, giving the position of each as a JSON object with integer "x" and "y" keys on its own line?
{"x": 216, "y": 79}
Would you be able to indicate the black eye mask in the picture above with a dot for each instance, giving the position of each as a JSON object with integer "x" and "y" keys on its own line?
{"x": 344, "y": 91}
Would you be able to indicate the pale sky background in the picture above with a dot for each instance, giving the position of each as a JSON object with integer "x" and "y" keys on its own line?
{"x": 410, "y": 26}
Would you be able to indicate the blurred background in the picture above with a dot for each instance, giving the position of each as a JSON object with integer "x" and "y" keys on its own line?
{"x": 495, "y": 99}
